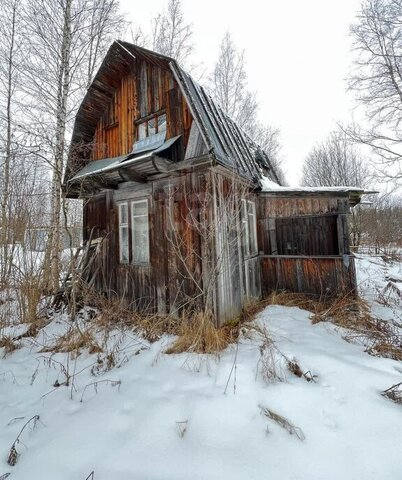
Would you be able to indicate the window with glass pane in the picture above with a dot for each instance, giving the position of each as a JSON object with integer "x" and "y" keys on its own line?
{"x": 123, "y": 233}
{"x": 249, "y": 228}
{"x": 252, "y": 227}
{"x": 140, "y": 231}
{"x": 162, "y": 123}
{"x": 244, "y": 228}
{"x": 142, "y": 131}
{"x": 152, "y": 126}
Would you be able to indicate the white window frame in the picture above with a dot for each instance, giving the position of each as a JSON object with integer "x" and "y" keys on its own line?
{"x": 146, "y": 260}
{"x": 122, "y": 226}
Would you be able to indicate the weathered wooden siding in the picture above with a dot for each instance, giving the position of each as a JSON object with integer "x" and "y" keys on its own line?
{"x": 180, "y": 253}
{"x": 308, "y": 235}
{"x": 304, "y": 245}
{"x": 147, "y": 90}
{"x": 271, "y": 206}
{"x": 324, "y": 276}
{"x": 303, "y": 226}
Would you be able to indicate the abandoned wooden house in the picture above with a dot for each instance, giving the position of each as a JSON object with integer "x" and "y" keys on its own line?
{"x": 189, "y": 209}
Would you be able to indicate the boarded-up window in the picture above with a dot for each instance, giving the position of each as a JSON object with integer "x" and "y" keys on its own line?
{"x": 140, "y": 231}
{"x": 123, "y": 233}
{"x": 309, "y": 235}
{"x": 249, "y": 228}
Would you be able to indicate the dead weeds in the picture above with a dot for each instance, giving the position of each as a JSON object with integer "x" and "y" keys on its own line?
{"x": 9, "y": 345}
{"x": 198, "y": 334}
{"x": 73, "y": 341}
{"x": 380, "y": 337}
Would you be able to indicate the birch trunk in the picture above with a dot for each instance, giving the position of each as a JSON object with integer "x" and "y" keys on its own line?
{"x": 61, "y": 120}
{"x": 5, "y": 225}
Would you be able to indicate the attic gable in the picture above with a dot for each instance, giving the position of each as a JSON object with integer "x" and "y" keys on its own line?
{"x": 132, "y": 91}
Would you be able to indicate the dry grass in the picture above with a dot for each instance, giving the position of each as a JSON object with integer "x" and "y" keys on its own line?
{"x": 380, "y": 337}
{"x": 199, "y": 334}
{"x": 394, "y": 393}
{"x": 29, "y": 295}
{"x": 9, "y": 345}
{"x": 74, "y": 340}
{"x": 283, "y": 422}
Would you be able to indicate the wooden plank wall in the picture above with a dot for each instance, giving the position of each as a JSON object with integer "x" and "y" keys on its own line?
{"x": 324, "y": 276}
{"x": 147, "y": 89}
{"x": 291, "y": 206}
{"x": 304, "y": 245}
{"x": 179, "y": 254}
{"x": 302, "y": 226}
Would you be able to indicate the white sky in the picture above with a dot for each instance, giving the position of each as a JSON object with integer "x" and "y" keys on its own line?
{"x": 297, "y": 54}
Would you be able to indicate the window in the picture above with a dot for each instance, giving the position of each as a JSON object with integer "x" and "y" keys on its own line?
{"x": 153, "y": 125}
{"x": 249, "y": 228}
{"x": 123, "y": 233}
{"x": 140, "y": 230}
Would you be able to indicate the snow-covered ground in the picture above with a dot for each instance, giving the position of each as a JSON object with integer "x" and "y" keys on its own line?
{"x": 170, "y": 417}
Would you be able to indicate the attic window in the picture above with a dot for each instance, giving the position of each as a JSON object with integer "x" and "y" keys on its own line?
{"x": 110, "y": 116}
{"x": 151, "y": 126}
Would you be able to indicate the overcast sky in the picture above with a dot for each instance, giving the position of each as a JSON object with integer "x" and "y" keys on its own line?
{"x": 297, "y": 54}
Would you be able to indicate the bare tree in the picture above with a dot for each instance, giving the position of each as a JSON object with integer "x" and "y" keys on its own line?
{"x": 228, "y": 86}
{"x": 381, "y": 224}
{"x": 377, "y": 82}
{"x": 334, "y": 162}
{"x": 268, "y": 138}
{"x": 67, "y": 38}
{"x": 171, "y": 34}
{"x": 10, "y": 57}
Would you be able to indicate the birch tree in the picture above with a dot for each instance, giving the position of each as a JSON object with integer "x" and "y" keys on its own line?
{"x": 228, "y": 87}
{"x": 376, "y": 81}
{"x": 335, "y": 162}
{"x": 68, "y": 39}
{"x": 10, "y": 57}
{"x": 171, "y": 34}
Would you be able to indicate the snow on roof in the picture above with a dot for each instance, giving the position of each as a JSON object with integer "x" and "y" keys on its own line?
{"x": 268, "y": 185}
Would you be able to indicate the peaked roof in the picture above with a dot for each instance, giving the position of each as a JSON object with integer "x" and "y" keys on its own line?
{"x": 224, "y": 140}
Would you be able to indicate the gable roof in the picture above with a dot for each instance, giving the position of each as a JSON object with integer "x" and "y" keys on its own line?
{"x": 224, "y": 140}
